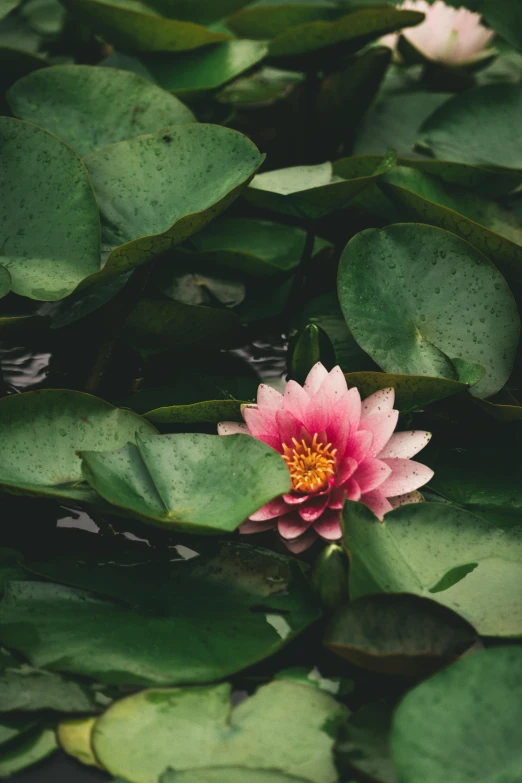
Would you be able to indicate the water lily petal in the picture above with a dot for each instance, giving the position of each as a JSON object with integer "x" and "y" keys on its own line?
{"x": 292, "y": 526}
{"x": 302, "y": 543}
{"x": 329, "y": 526}
{"x": 378, "y": 402}
{"x": 248, "y": 527}
{"x": 377, "y": 502}
{"x": 296, "y": 400}
{"x": 232, "y": 428}
{"x": 371, "y": 473}
{"x": 405, "y": 500}
{"x": 262, "y": 426}
{"x": 381, "y": 425}
{"x": 405, "y": 444}
{"x": 406, "y": 476}
{"x": 313, "y": 509}
{"x": 276, "y": 508}
{"x": 314, "y": 379}
{"x": 269, "y": 400}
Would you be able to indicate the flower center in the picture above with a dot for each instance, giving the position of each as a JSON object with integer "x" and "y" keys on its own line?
{"x": 311, "y": 465}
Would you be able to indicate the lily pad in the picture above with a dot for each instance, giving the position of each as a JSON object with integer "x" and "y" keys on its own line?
{"x": 264, "y": 86}
{"x": 475, "y": 704}
{"x": 43, "y": 431}
{"x": 5, "y": 281}
{"x": 135, "y": 626}
{"x": 300, "y": 29}
{"x": 441, "y": 552}
{"x": 483, "y": 223}
{"x": 197, "y": 72}
{"x": 398, "y": 634}
{"x": 210, "y": 411}
{"x": 74, "y": 737}
{"x": 134, "y": 25}
{"x": 230, "y": 774}
{"x": 257, "y": 248}
{"x": 13, "y": 726}
{"x": 411, "y": 391}
{"x": 462, "y": 129}
{"x": 90, "y": 107}
{"x": 309, "y": 191}
{"x": 416, "y": 297}
{"x": 48, "y": 251}
{"x": 157, "y": 190}
{"x": 158, "y": 325}
{"x": 364, "y": 744}
{"x": 285, "y": 726}
{"x": 27, "y": 689}
{"x": 195, "y": 483}
{"x": 28, "y": 750}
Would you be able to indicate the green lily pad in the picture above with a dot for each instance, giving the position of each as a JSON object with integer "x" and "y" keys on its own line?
{"x": 475, "y": 704}
{"x": 393, "y": 122}
{"x": 75, "y": 736}
{"x": 27, "y": 689}
{"x": 441, "y": 552}
{"x": 463, "y": 128}
{"x": 210, "y": 411}
{"x": 310, "y": 191}
{"x": 257, "y": 248}
{"x": 483, "y": 223}
{"x": 158, "y": 325}
{"x": 90, "y": 107}
{"x": 194, "y": 483}
{"x": 483, "y": 479}
{"x": 500, "y": 411}
{"x": 43, "y": 431}
{"x": 202, "y": 11}
{"x": 134, "y": 25}
{"x": 191, "y": 388}
{"x": 505, "y": 17}
{"x": 230, "y": 774}
{"x": 5, "y": 281}
{"x": 13, "y": 726}
{"x": 364, "y": 744}
{"x": 135, "y": 626}
{"x": 416, "y": 297}
{"x": 48, "y": 252}
{"x": 411, "y": 391}
{"x": 302, "y": 28}
{"x": 205, "y": 69}
{"x": 46, "y": 17}
{"x": 31, "y": 748}
{"x": 157, "y": 190}
{"x": 264, "y": 86}
{"x": 6, "y": 6}
{"x": 398, "y": 634}
{"x": 285, "y": 726}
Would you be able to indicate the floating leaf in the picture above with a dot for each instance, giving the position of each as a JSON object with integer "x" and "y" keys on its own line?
{"x": 257, "y": 248}
{"x": 197, "y": 72}
{"x": 263, "y": 86}
{"x": 285, "y": 726}
{"x": 463, "y": 128}
{"x": 411, "y": 391}
{"x": 28, "y": 750}
{"x": 441, "y": 552}
{"x": 309, "y": 191}
{"x": 74, "y": 737}
{"x": 48, "y": 251}
{"x": 415, "y": 297}
{"x": 398, "y": 634}
{"x": 196, "y": 483}
{"x": 90, "y": 107}
{"x": 42, "y": 432}
{"x": 13, "y": 726}
{"x": 157, "y": 325}
{"x": 364, "y": 744}
{"x": 210, "y": 411}
{"x": 137, "y": 627}
{"x": 6, "y": 6}
{"x": 155, "y": 191}
{"x": 230, "y": 774}
{"x": 475, "y": 704}
{"x": 483, "y": 223}
{"x": 132, "y": 24}
{"x": 27, "y": 689}
{"x": 5, "y": 281}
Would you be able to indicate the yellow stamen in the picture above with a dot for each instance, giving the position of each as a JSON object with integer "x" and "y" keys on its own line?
{"x": 310, "y": 466}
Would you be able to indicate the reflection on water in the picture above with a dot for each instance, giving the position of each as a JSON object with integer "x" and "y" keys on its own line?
{"x": 23, "y": 369}
{"x": 268, "y": 359}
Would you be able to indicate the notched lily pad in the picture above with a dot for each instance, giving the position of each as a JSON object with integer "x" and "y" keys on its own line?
{"x": 411, "y": 391}
{"x": 90, "y": 107}
{"x": 194, "y": 483}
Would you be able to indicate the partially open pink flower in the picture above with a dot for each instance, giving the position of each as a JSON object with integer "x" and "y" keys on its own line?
{"x": 453, "y": 36}
{"x": 336, "y": 448}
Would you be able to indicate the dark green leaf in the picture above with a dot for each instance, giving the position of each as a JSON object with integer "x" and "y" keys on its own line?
{"x": 197, "y": 483}
{"x": 173, "y": 621}
{"x": 411, "y": 391}
{"x": 418, "y": 544}
{"x": 364, "y": 744}
{"x": 28, "y": 689}
{"x": 91, "y": 107}
{"x": 474, "y": 705}
{"x": 398, "y": 634}
{"x": 28, "y": 750}
{"x": 47, "y": 251}
{"x": 415, "y": 297}
{"x": 43, "y": 431}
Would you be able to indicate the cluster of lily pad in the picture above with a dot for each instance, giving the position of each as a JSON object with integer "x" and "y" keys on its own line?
{"x": 323, "y": 196}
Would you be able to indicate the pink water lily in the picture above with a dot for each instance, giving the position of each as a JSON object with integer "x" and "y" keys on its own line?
{"x": 336, "y": 448}
{"x": 453, "y": 36}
